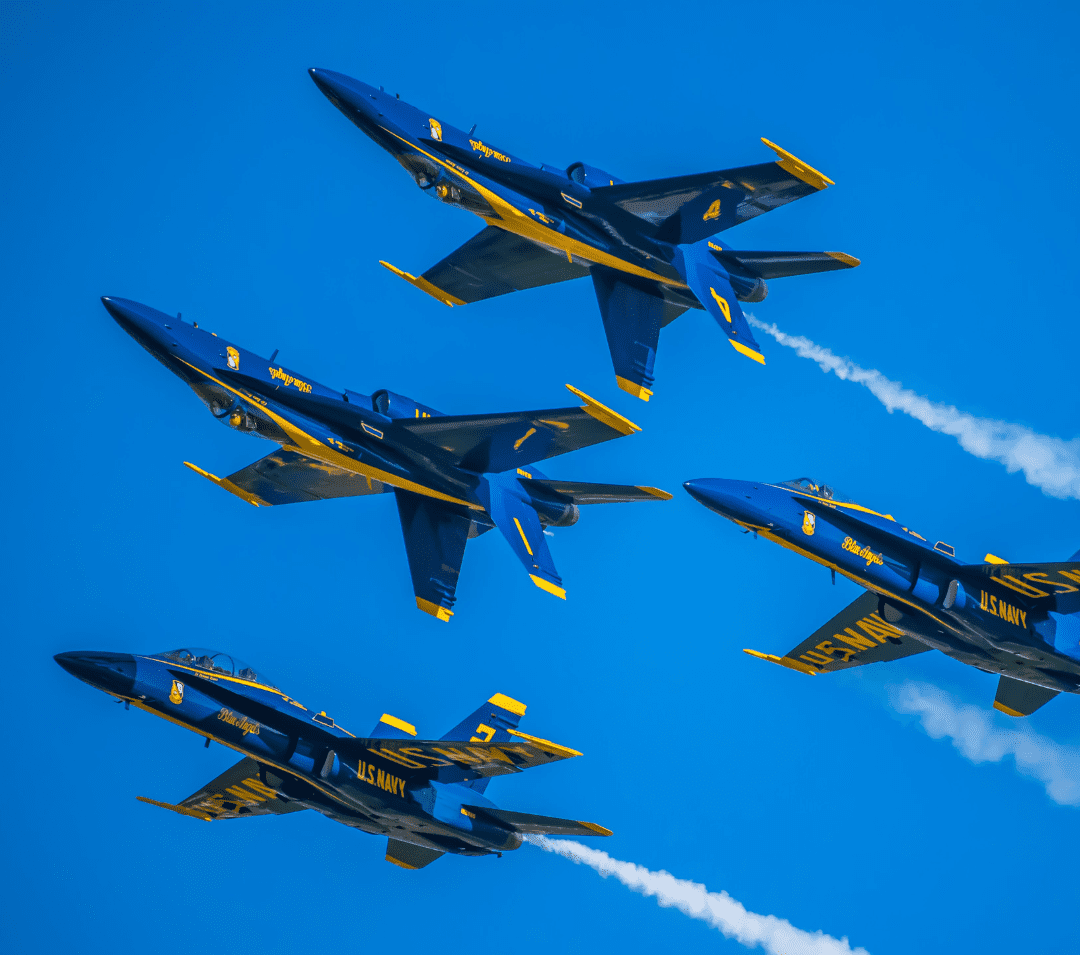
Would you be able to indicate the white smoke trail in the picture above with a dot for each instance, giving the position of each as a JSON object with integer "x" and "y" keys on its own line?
{"x": 1051, "y": 464}
{"x": 718, "y": 909}
{"x": 973, "y": 733}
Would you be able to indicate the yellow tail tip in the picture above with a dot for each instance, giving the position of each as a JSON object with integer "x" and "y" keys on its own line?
{"x": 633, "y": 388}
{"x": 436, "y": 610}
{"x": 547, "y": 585}
{"x": 508, "y": 703}
{"x": 747, "y": 351}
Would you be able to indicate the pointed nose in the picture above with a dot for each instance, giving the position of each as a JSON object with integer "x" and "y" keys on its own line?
{"x": 357, "y": 100}
{"x": 112, "y": 672}
{"x": 734, "y": 500}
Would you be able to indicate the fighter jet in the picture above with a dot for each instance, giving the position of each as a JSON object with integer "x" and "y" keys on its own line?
{"x": 454, "y": 476}
{"x": 427, "y": 796}
{"x": 1021, "y": 621}
{"x": 649, "y": 246}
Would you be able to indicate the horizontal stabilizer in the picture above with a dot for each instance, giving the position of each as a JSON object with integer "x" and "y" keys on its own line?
{"x": 1017, "y": 698}
{"x": 582, "y": 492}
{"x": 854, "y": 637}
{"x": 493, "y": 262}
{"x": 686, "y": 209}
{"x": 537, "y": 825}
{"x": 778, "y": 265}
{"x": 409, "y": 856}
{"x": 238, "y": 792}
{"x": 450, "y": 761}
{"x": 288, "y": 477}
{"x": 502, "y": 442}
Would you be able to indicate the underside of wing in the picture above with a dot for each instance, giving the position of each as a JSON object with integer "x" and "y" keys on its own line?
{"x": 686, "y": 209}
{"x": 583, "y": 492}
{"x": 501, "y": 442}
{"x": 493, "y": 262}
{"x": 856, "y": 636}
{"x": 238, "y": 792}
{"x": 446, "y": 760}
{"x": 288, "y": 477}
{"x": 1017, "y": 698}
{"x": 406, "y": 855}
{"x": 528, "y": 824}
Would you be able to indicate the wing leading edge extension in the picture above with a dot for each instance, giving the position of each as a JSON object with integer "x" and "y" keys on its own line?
{"x": 856, "y": 636}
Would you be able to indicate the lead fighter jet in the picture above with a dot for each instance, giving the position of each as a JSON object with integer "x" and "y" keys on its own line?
{"x": 454, "y": 476}
{"x": 648, "y": 246}
{"x": 427, "y": 796}
{"x": 1021, "y": 621}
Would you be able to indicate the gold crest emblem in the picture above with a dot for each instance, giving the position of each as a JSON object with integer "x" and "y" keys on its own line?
{"x": 436, "y": 129}
{"x": 808, "y": 522}
{"x": 713, "y": 212}
{"x": 176, "y": 694}
{"x": 233, "y": 358}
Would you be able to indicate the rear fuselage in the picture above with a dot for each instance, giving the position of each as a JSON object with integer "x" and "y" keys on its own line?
{"x": 925, "y": 591}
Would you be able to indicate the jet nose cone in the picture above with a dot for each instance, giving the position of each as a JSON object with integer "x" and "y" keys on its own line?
{"x": 731, "y": 499}
{"x": 111, "y": 672}
{"x": 706, "y": 491}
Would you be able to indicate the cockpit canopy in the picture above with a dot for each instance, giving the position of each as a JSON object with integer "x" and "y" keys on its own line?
{"x": 809, "y": 484}
{"x": 215, "y": 661}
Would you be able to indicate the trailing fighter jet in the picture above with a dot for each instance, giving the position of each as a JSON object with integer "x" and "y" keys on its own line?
{"x": 1021, "y": 621}
{"x": 427, "y": 796}
{"x": 649, "y": 246}
{"x": 454, "y": 476}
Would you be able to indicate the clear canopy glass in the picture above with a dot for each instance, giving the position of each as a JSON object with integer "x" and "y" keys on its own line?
{"x": 216, "y": 661}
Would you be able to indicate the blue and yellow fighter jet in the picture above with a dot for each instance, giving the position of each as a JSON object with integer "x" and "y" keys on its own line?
{"x": 1021, "y": 621}
{"x": 427, "y": 796}
{"x": 454, "y": 476}
{"x": 648, "y": 246}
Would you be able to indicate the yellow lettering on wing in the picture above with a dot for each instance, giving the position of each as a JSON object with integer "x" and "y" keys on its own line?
{"x": 713, "y": 212}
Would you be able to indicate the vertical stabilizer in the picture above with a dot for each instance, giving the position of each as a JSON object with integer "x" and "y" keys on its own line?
{"x": 491, "y": 723}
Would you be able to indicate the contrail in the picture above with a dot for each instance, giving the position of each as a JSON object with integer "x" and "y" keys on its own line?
{"x": 973, "y": 733}
{"x": 718, "y": 909}
{"x": 1051, "y": 464}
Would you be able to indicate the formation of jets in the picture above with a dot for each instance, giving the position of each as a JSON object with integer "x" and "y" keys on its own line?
{"x": 652, "y": 251}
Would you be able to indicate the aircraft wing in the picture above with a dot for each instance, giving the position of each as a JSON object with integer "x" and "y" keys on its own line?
{"x": 854, "y": 637}
{"x": 460, "y": 760}
{"x": 778, "y": 265}
{"x": 686, "y": 209}
{"x": 502, "y": 442}
{"x": 288, "y": 477}
{"x": 235, "y": 794}
{"x": 583, "y": 492}
{"x": 491, "y": 263}
{"x": 537, "y": 825}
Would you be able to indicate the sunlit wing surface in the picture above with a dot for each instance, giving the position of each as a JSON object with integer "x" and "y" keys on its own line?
{"x": 237, "y": 793}
{"x": 493, "y": 262}
{"x": 856, "y": 636}
{"x": 467, "y": 760}
{"x": 288, "y": 477}
{"x": 502, "y": 442}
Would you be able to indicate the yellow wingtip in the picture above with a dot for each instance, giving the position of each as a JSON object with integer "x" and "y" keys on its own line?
{"x": 547, "y": 585}
{"x": 849, "y": 260}
{"x": 783, "y": 661}
{"x": 183, "y": 810}
{"x": 565, "y": 752}
{"x": 603, "y": 413}
{"x": 508, "y": 703}
{"x": 399, "y": 863}
{"x": 655, "y": 492}
{"x": 1007, "y": 710}
{"x": 228, "y": 485}
{"x": 398, "y": 724}
{"x": 424, "y": 285}
{"x": 633, "y": 388}
{"x": 593, "y": 827}
{"x": 799, "y": 169}
{"x": 436, "y": 610}
{"x": 747, "y": 351}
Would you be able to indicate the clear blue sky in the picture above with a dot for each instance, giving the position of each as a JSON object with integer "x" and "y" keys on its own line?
{"x": 181, "y": 156}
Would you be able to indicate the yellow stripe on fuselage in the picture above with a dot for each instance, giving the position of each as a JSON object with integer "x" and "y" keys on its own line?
{"x": 304, "y": 443}
{"x": 513, "y": 220}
